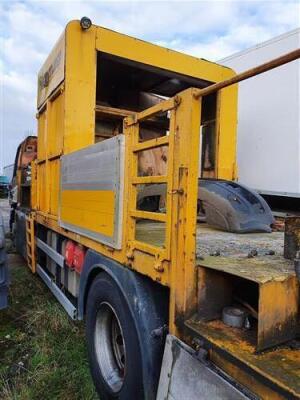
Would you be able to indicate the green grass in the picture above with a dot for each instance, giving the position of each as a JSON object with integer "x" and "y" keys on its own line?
{"x": 42, "y": 352}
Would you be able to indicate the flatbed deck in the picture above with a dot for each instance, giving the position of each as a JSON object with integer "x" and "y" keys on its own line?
{"x": 210, "y": 241}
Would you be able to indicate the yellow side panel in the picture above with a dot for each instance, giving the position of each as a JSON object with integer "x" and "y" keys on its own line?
{"x": 41, "y": 153}
{"x": 41, "y": 187}
{"x": 54, "y": 167}
{"x": 80, "y": 87}
{"x": 55, "y": 126}
{"x": 226, "y": 133}
{"x": 89, "y": 209}
{"x": 52, "y": 72}
{"x": 138, "y": 50}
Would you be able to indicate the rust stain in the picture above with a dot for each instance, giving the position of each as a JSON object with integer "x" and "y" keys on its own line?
{"x": 280, "y": 366}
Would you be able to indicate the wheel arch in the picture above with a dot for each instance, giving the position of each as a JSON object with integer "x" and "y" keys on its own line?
{"x": 148, "y": 305}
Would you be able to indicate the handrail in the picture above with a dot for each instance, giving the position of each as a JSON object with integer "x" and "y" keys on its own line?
{"x": 276, "y": 62}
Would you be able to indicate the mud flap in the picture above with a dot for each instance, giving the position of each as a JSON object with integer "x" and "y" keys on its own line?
{"x": 233, "y": 207}
{"x": 185, "y": 376}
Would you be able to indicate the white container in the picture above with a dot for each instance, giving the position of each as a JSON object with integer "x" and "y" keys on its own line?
{"x": 268, "y": 149}
{"x": 8, "y": 171}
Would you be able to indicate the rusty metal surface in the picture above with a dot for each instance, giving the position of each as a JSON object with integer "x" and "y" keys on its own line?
{"x": 279, "y": 368}
{"x": 291, "y": 237}
{"x": 274, "y": 322}
{"x": 273, "y": 278}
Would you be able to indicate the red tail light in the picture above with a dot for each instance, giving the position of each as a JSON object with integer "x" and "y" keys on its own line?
{"x": 69, "y": 253}
{"x": 79, "y": 254}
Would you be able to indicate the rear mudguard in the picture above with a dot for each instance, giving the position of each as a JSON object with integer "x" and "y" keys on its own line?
{"x": 148, "y": 304}
{"x": 233, "y": 207}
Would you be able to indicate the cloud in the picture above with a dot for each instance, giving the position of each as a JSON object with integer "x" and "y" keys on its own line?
{"x": 208, "y": 29}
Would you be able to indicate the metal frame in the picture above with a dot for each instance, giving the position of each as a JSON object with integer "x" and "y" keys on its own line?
{"x": 134, "y": 148}
{"x": 60, "y": 296}
{"x": 54, "y": 255}
{"x": 30, "y": 243}
{"x": 182, "y": 190}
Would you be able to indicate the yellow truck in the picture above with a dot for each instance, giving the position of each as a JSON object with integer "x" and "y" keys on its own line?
{"x": 173, "y": 308}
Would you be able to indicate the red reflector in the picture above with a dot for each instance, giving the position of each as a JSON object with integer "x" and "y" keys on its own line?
{"x": 79, "y": 254}
{"x": 69, "y": 253}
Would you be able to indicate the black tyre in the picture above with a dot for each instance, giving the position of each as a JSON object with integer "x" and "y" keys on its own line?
{"x": 113, "y": 345}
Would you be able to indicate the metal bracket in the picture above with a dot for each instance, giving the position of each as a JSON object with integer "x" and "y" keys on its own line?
{"x": 158, "y": 264}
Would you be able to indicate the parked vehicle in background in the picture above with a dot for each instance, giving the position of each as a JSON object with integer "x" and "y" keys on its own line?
{"x": 4, "y": 186}
{"x": 8, "y": 171}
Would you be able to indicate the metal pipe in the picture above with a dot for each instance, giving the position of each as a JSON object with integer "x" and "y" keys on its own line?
{"x": 276, "y": 62}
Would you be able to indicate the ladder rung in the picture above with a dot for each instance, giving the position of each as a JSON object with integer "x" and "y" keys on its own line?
{"x": 150, "y": 144}
{"x": 148, "y": 248}
{"x": 139, "y": 180}
{"x": 151, "y": 111}
{"x": 29, "y": 243}
{"x": 161, "y": 217}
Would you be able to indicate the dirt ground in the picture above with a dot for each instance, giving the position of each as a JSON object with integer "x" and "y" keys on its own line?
{"x": 42, "y": 352}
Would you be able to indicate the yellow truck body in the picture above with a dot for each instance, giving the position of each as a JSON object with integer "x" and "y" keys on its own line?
{"x": 95, "y": 78}
{"x": 67, "y": 115}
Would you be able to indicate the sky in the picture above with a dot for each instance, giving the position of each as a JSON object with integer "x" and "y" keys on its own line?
{"x": 207, "y": 29}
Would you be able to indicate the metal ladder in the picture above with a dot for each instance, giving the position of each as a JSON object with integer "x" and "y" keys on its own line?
{"x": 30, "y": 243}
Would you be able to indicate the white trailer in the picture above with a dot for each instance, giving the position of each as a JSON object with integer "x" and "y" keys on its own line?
{"x": 269, "y": 119}
{"x": 8, "y": 171}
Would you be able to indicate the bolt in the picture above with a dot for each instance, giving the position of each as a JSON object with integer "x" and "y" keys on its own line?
{"x": 270, "y": 253}
{"x": 216, "y": 253}
{"x": 252, "y": 253}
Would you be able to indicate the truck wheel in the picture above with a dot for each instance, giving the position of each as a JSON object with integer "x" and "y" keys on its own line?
{"x": 113, "y": 345}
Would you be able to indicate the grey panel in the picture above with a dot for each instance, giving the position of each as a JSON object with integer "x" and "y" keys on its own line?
{"x": 97, "y": 167}
{"x": 183, "y": 376}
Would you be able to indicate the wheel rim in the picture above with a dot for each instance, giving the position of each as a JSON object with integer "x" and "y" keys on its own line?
{"x": 110, "y": 347}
